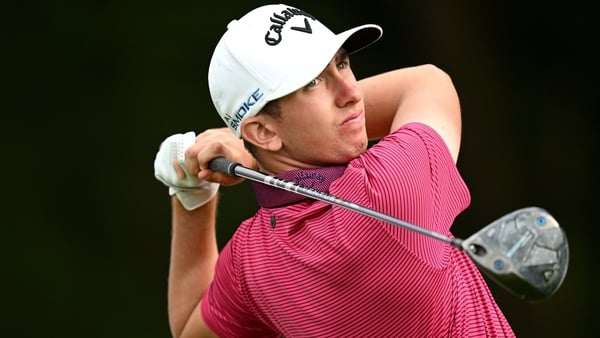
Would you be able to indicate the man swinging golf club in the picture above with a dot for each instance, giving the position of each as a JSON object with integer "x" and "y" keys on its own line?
{"x": 283, "y": 85}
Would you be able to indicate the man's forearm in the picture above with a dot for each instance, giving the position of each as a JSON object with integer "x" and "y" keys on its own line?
{"x": 194, "y": 252}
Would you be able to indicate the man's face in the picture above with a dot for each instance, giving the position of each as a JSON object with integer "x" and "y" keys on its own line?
{"x": 324, "y": 122}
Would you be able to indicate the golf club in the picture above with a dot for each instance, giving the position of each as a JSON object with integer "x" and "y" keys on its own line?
{"x": 526, "y": 251}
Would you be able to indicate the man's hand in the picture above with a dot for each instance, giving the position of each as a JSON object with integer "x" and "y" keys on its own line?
{"x": 170, "y": 169}
{"x": 182, "y": 164}
{"x": 212, "y": 143}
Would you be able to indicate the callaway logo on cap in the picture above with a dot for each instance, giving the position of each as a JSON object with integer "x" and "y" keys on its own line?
{"x": 274, "y": 35}
{"x": 270, "y": 52}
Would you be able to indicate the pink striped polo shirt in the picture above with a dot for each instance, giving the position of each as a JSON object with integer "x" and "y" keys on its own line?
{"x": 304, "y": 268}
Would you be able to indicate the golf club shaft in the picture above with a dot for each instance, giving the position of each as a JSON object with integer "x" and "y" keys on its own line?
{"x": 223, "y": 165}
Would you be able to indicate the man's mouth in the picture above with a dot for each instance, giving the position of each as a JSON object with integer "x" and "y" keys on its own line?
{"x": 359, "y": 116}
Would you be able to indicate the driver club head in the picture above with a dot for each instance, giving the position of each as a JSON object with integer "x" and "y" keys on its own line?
{"x": 525, "y": 251}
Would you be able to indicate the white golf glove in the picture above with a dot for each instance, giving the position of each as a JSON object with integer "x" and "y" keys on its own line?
{"x": 191, "y": 191}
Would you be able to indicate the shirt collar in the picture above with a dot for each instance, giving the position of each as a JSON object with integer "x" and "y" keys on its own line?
{"x": 318, "y": 179}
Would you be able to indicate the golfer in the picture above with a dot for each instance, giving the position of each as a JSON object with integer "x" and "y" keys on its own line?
{"x": 283, "y": 84}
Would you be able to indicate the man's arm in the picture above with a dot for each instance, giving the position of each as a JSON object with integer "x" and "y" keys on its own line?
{"x": 194, "y": 252}
{"x": 194, "y": 248}
{"x": 414, "y": 94}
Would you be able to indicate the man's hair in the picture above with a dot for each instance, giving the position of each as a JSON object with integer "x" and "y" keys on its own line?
{"x": 272, "y": 109}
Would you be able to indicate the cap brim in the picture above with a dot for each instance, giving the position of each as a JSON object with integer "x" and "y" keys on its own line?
{"x": 360, "y": 37}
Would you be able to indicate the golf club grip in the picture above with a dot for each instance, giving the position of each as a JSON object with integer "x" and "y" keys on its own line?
{"x": 223, "y": 165}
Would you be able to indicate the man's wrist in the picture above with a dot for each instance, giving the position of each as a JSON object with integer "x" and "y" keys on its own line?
{"x": 193, "y": 199}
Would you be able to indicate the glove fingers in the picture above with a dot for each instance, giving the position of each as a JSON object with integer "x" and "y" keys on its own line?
{"x": 185, "y": 141}
{"x": 173, "y": 148}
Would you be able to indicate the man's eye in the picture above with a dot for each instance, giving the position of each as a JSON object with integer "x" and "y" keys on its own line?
{"x": 313, "y": 83}
{"x": 343, "y": 65}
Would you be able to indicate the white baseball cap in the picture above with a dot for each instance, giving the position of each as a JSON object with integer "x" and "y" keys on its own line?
{"x": 270, "y": 52}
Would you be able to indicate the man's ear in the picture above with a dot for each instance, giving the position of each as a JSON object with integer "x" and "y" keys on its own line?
{"x": 261, "y": 132}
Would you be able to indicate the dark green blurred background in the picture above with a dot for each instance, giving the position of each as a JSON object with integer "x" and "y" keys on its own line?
{"x": 92, "y": 88}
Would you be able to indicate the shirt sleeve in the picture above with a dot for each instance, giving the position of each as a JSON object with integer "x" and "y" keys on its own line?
{"x": 223, "y": 308}
{"x": 410, "y": 174}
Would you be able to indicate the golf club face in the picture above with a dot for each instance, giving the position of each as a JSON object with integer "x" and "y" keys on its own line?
{"x": 526, "y": 252}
